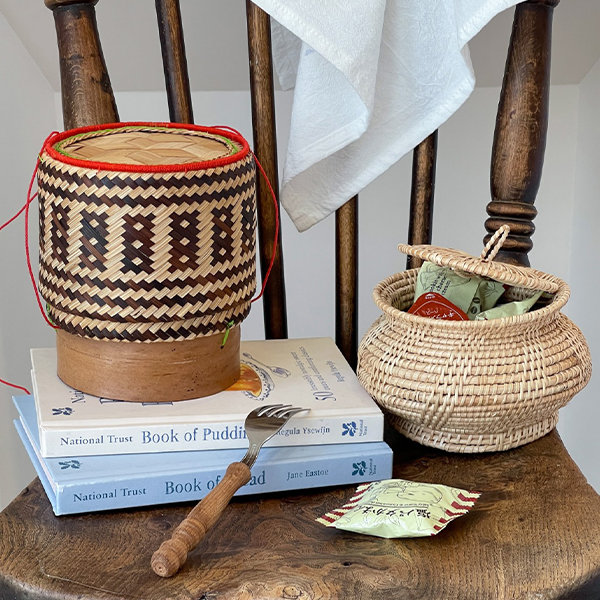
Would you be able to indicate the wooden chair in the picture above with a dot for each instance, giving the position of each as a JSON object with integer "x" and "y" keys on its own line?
{"x": 535, "y": 532}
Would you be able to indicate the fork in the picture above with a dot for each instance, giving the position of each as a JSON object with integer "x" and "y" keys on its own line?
{"x": 261, "y": 425}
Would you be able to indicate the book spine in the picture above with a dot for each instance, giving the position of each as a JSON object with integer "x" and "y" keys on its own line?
{"x": 127, "y": 492}
{"x": 206, "y": 436}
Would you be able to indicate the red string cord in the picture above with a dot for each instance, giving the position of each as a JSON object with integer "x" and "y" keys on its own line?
{"x": 14, "y": 385}
{"x": 276, "y": 206}
{"x": 25, "y": 208}
{"x": 30, "y": 199}
{"x": 13, "y": 218}
{"x": 276, "y": 237}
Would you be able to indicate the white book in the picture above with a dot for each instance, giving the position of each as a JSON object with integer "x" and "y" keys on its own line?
{"x": 309, "y": 373}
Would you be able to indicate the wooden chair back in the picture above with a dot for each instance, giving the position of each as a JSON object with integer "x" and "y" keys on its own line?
{"x": 517, "y": 154}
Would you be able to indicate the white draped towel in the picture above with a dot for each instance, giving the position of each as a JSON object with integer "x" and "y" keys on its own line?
{"x": 371, "y": 79}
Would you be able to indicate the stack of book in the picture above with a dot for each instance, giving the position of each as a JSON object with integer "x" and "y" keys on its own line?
{"x": 98, "y": 454}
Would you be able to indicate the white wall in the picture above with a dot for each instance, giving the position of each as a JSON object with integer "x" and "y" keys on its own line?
{"x": 27, "y": 115}
{"x": 581, "y": 418}
{"x": 462, "y": 191}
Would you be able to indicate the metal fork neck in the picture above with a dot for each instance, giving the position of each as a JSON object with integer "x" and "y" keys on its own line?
{"x": 251, "y": 455}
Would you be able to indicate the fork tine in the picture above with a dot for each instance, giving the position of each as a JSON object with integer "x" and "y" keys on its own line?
{"x": 262, "y": 410}
{"x": 286, "y": 412}
{"x": 281, "y": 412}
{"x": 274, "y": 412}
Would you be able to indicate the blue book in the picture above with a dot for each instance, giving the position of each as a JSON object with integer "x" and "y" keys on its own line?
{"x": 106, "y": 482}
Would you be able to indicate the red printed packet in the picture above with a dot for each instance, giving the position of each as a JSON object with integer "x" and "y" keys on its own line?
{"x": 395, "y": 508}
{"x": 435, "y": 306}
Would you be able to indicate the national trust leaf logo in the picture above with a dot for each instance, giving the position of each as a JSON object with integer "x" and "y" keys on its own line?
{"x": 360, "y": 468}
{"x": 69, "y": 464}
{"x": 349, "y": 429}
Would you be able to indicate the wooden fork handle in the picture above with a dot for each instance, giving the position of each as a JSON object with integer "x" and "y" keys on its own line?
{"x": 172, "y": 554}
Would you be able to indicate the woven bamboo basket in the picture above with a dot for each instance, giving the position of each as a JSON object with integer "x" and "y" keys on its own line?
{"x": 473, "y": 386}
{"x": 147, "y": 257}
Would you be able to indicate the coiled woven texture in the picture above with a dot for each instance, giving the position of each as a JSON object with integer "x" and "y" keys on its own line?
{"x": 163, "y": 253}
{"x": 472, "y": 386}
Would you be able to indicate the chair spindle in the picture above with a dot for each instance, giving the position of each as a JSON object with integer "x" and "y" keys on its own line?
{"x": 521, "y": 125}
{"x": 265, "y": 147}
{"x": 172, "y": 44}
{"x": 420, "y": 222}
{"x": 87, "y": 96}
{"x": 346, "y": 277}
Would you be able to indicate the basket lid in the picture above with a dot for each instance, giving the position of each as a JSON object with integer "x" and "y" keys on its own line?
{"x": 147, "y": 147}
{"x": 485, "y": 266}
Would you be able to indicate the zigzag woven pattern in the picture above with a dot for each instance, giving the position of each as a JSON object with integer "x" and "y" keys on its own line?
{"x": 147, "y": 256}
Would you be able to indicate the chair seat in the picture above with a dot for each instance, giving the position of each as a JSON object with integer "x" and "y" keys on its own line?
{"x": 535, "y": 533}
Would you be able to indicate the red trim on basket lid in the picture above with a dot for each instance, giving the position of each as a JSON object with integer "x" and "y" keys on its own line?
{"x": 104, "y": 166}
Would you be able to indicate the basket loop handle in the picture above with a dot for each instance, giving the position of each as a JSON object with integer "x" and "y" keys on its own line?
{"x": 495, "y": 243}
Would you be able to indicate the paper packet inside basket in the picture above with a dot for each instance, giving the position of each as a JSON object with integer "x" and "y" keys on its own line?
{"x": 395, "y": 508}
{"x": 510, "y": 309}
{"x": 470, "y": 294}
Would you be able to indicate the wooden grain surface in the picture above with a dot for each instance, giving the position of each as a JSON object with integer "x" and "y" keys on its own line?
{"x": 164, "y": 371}
{"x": 420, "y": 225}
{"x": 521, "y": 126}
{"x": 534, "y": 534}
{"x": 87, "y": 95}
{"x": 346, "y": 280}
{"x": 264, "y": 135}
{"x": 170, "y": 29}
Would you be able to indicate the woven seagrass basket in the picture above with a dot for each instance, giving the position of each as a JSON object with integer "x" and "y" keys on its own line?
{"x": 473, "y": 386}
{"x": 147, "y": 257}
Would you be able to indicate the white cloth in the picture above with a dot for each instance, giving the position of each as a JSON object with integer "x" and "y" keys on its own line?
{"x": 372, "y": 80}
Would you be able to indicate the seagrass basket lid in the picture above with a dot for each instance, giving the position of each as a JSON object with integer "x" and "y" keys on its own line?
{"x": 485, "y": 266}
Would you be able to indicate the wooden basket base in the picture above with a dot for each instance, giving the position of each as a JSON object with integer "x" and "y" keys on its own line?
{"x": 149, "y": 372}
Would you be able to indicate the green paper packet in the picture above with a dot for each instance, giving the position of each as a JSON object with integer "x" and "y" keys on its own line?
{"x": 471, "y": 293}
{"x": 395, "y": 508}
{"x": 510, "y": 309}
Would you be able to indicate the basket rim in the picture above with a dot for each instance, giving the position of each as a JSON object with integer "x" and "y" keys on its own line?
{"x": 53, "y": 139}
{"x": 560, "y": 298}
